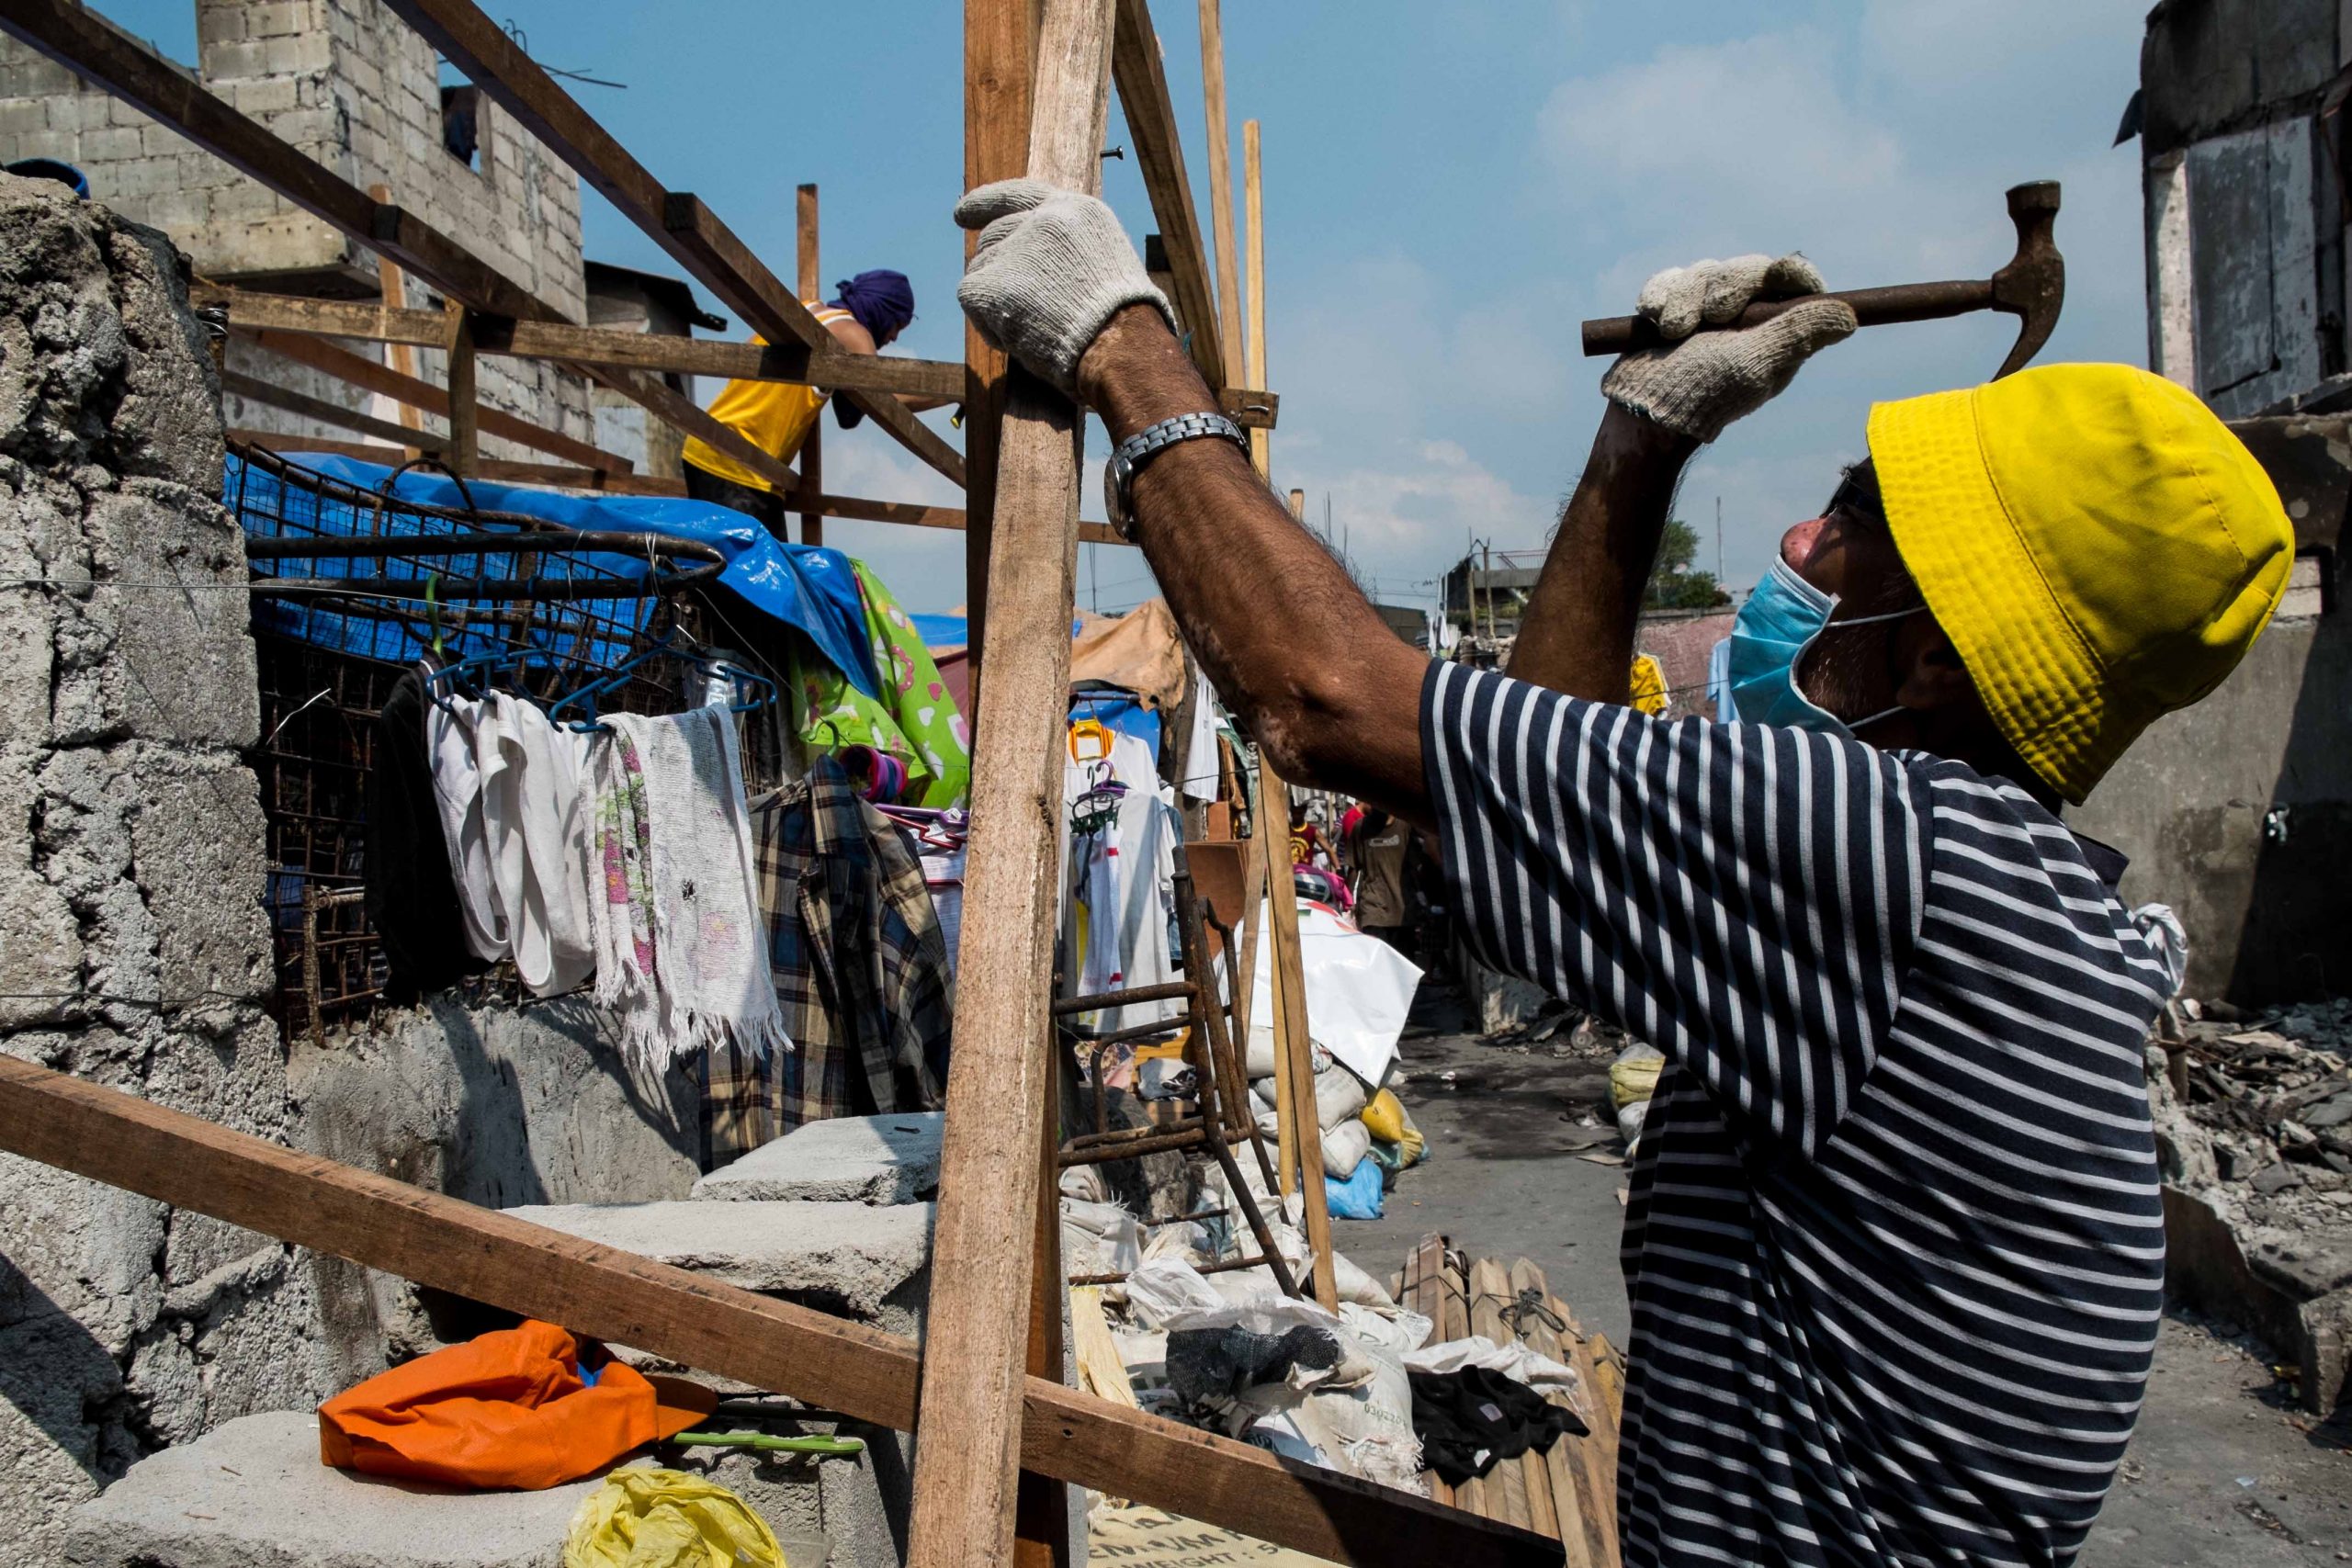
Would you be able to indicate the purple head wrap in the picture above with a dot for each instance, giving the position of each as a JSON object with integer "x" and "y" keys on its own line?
{"x": 882, "y": 300}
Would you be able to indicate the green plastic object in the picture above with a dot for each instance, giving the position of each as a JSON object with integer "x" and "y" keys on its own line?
{"x": 768, "y": 1444}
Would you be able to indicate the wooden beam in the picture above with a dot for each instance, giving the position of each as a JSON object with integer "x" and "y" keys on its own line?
{"x": 255, "y": 389}
{"x": 984, "y": 1240}
{"x": 1159, "y": 156}
{"x": 74, "y": 38}
{"x": 465, "y": 408}
{"x": 677, "y": 221}
{"x": 392, "y": 289}
{"x": 666, "y": 402}
{"x": 485, "y": 1255}
{"x": 998, "y": 38}
{"x": 362, "y": 371}
{"x": 590, "y": 346}
{"x": 1228, "y": 270}
{"x": 1254, "y": 206}
{"x": 812, "y": 446}
{"x": 489, "y": 468}
{"x": 1294, "y": 1047}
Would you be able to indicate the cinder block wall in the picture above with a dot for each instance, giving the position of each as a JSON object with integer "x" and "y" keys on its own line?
{"x": 133, "y": 951}
{"x": 350, "y": 86}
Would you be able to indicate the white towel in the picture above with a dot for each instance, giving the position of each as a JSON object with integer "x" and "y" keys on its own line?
{"x": 452, "y": 732}
{"x": 534, "y": 827}
{"x": 682, "y": 808}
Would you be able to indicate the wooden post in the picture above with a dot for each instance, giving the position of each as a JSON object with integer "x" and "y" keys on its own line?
{"x": 812, "y": 451}
{"x": 391, "y": 288}
{"x": 697, "y": 1320}
{"x": 465, "y": 412}
{"x": 998, "y": 38}
{"x": 1228, "y": 270}
{"x": 1298, "y": 1141}
{"x": 984, "y": 1241}
{"x": 1256, "y": 207}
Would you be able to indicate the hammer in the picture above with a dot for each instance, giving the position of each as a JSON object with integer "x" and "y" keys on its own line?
{"x": 2032, "y": 287}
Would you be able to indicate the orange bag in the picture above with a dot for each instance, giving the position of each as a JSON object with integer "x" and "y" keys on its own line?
{"x": 509, "y": 1409}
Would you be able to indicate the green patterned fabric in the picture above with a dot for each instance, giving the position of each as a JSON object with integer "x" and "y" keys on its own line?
{"x": 916, "y": 721}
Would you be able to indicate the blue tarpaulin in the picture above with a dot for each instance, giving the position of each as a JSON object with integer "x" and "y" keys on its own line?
{"x": 810, "y": 588}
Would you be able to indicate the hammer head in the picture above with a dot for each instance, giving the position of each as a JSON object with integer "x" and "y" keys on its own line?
{"x": 2032, "y": 285}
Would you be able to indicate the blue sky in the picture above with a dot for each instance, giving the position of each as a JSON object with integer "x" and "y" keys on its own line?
{"x": 1449, "y": 190}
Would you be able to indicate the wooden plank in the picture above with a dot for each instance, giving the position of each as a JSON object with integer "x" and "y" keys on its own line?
{"x": 658, "y": 398}
{"x": 1506, "y": 1483}
{"x": 1424, "y": 1267}
{"x": 999, "y": 40}
{"x": 1293, "y": 1050}
{"x": 677, "y": 221}
{"x": 1598, "y": 1456}
{"x": 983, "y": 1244}
{"x": 391, "y": 290}
{"x": 1254, "y": 360}
{"x": 255, "y": 390}
{"x": 362, "y": 371}
{"x": 1160, "y": 157}
{"x": 1576, "y": 1463}
{"x": 812, "y": 446}
{"x": 77, "y": 39}
{"x": 1100, "y": 1371}
{"x": 599, "y": 1291}
{"x": 1228, "y": 269}
{"x": 560, "y": 340}
{"x": 465, "y": 408}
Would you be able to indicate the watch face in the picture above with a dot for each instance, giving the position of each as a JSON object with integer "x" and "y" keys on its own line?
{"x": 1112, "y": 508}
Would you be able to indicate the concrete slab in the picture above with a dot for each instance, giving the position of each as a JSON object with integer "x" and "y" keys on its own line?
{"x": 252, "y": 1494}
{"x": 851, "y": 1259}
{"x": 856, "y": 1159}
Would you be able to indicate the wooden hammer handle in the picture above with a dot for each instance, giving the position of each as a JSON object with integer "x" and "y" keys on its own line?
{"x": 1872, "y": 306}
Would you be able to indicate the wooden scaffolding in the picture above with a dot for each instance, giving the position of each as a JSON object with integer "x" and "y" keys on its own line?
{"x": 1037, "y": 77}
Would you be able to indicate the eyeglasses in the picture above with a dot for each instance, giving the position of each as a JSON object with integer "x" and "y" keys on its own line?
{"x": 1857, "y": 496}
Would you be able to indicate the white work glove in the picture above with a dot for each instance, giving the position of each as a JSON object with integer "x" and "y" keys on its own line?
{"x": 1051, "y": 266}
{"x": 1699, "y": 381}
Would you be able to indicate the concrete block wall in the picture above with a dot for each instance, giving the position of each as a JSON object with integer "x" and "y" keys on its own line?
{"x": 350, "y": 86}
{"x": 133, "y": 950}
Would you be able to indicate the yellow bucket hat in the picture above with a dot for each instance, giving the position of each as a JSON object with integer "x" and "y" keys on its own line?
{"x": 2098, "y": 545}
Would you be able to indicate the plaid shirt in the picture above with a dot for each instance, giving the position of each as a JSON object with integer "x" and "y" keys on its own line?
{"x": 861, "y": 972}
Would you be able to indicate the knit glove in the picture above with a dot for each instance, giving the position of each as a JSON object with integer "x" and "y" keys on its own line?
{"x": 1698, "y": 382}
{"x": 1051, "y": 267}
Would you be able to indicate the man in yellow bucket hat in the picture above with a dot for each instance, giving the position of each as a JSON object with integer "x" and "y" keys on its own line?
{"x": 1894, "y": 1244}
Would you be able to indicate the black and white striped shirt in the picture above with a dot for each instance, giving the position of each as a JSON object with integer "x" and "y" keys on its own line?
{"x": 1894, "y": 1244}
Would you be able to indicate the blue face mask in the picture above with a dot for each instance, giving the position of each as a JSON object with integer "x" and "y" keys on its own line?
{"x": 1779, "y": 622}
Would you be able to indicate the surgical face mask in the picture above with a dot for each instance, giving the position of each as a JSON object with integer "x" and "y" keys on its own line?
{"x": 1779, "y": 622}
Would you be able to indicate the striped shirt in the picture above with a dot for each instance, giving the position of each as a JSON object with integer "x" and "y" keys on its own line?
{"x": 1894, "y": 1244}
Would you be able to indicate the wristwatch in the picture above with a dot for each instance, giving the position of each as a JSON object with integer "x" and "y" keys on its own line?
{"x": 1119, "y": 473}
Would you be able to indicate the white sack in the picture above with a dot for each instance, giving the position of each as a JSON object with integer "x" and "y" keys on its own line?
{"x": 1514, "y": 1361}
{"x": 1345, "y": 1147}
{"x": 1358, "y": 989}
{"x": 1340, "y": 1096}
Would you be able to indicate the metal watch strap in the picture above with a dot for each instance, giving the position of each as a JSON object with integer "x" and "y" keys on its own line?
{"x": 1138, "y": 448}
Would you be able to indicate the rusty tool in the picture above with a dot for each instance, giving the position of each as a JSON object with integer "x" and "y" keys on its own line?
{"x": 2030, "y": 286}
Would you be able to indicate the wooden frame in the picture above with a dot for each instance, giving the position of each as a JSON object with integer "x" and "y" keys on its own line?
{"x": 176, "y": 1158}
{"x": 994, "y": 1217}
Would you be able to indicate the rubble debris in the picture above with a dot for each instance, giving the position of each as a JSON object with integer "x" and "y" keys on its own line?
{"x": 2254, "y": 1137}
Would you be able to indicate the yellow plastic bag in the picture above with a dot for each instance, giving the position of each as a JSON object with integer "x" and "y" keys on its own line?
{"x": 667, "y": 1519}
{"x": 1387, "y": 1121}
{"x": 1632, "y": 1078}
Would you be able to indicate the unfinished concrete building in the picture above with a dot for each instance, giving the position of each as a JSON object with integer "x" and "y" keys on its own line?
{"x": 2238, "y": 811}
{"x": 348, "y": 84}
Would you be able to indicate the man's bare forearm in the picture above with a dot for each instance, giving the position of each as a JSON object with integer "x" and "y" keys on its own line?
{"x": 1284, "y": 636}
{"x": 1577, "y": 635}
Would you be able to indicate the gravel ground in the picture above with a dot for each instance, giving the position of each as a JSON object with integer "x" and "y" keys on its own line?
{"x": 2224, "y": 1472}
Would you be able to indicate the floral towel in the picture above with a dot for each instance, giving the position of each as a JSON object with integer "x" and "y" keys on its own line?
{"x": 677, "y": 917}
